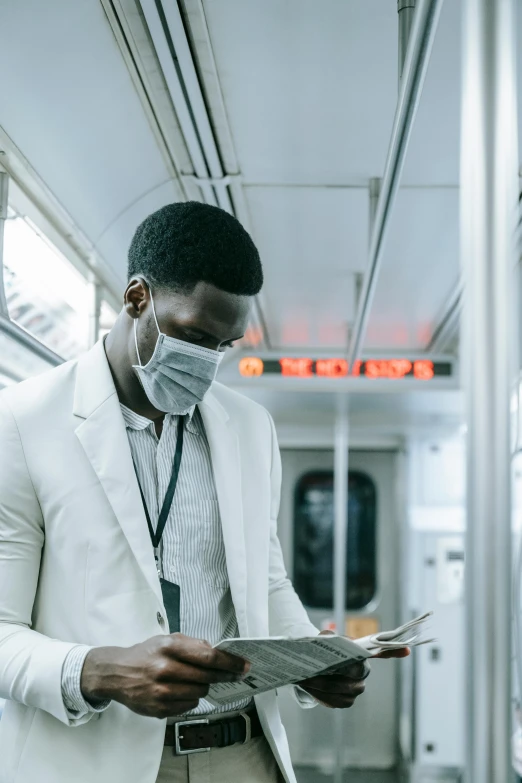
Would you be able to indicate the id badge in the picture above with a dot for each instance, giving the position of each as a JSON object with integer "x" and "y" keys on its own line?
{"x": 171, "y": 601}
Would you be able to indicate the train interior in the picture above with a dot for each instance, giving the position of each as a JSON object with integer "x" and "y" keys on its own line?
{"x": 282, "y": 112}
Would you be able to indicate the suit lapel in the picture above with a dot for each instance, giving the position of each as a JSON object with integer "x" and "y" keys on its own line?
{"x": 224, "y": 450}
{"x": 103, "y": 437}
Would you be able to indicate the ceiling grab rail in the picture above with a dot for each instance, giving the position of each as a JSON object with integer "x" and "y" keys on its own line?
{"x": 406, "y": 11}
{"x": 8, "y": 327}
{"x": 425, "y": 20}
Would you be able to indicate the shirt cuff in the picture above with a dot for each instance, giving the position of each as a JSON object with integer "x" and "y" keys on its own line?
{"x": 73, "y": 699}
{"x": 303, "y": 698}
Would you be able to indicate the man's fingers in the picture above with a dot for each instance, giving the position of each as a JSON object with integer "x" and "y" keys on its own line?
{"x": 170, "y": 670}
{"x": 402, "y": 653}
{"x": 332, "y": 700}
{"x": 181, "y": 691}
{"x": 355, "y": 671}
{"x": 200, "y": 653}
{"x": 332, "y": 684}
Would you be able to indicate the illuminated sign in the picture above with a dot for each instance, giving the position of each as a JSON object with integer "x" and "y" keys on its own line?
{"x": 251, "y": 366}
{"x": 305, "y": 367}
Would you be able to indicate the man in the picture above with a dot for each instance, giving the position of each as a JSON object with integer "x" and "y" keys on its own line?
{"x": 139, "y": 497}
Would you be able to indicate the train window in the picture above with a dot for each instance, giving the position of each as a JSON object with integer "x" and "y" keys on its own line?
{"x": 107, "y": 318}
{"x": 44, "y": 291}
{"x": 313, "y": 540}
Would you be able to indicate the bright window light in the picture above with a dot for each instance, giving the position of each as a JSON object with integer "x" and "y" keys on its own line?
{"x": 45, "y": 293}
{"x": 107, "y": 318}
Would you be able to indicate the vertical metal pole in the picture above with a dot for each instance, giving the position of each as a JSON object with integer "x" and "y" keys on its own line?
{"x": 4, "y": 200}
{"x": 340, "y": 538}
{"x": 489, "y": 163}
{"x": 406, "y": 10}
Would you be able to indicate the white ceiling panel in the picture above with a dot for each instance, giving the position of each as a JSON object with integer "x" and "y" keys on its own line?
{"x": 310, "y": 91}
{"x": 314, "y": 96}
{"x": 310, "y": 88}
{"x": 312, "y": 241}
{"x": 419, "y": 269}
{"x": 69, "y": 104}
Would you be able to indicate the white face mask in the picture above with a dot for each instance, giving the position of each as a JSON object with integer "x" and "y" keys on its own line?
{"x": 179, "y": 374}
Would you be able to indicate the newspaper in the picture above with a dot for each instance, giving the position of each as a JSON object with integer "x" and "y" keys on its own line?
{"x": 410, "y": 634}
{"x": 279, "y": 661}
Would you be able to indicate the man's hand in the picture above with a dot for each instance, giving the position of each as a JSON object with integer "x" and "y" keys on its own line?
{"x": 340, "y": 690}
{"x": 159, "y": 678}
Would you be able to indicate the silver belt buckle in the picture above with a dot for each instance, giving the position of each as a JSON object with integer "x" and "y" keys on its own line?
{"x": 248, "y": 727}
{"x": 178, "y": 737}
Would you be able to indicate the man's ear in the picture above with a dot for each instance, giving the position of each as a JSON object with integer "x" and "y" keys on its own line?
{"x": 136, "y": 297}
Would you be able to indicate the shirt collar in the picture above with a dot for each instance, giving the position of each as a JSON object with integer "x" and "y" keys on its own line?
{"x": 134, "y": 421}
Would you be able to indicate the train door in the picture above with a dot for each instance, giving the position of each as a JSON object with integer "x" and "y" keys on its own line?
{"x": 306, "y": 531}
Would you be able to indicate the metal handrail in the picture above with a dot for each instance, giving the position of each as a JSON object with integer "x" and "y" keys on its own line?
{"x": 341, "y": 445}
{"x": 415, "y": 67}
{"x": 25, "y": 338}
{"x": 406, "y": 11}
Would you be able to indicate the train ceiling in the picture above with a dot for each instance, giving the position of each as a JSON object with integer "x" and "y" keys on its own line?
{"x": 295, "y": 100}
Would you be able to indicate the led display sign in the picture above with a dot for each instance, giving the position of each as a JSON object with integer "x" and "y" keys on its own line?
{"x": 305, "y": 367}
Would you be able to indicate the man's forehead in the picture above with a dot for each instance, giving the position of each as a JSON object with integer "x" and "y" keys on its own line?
{"x": 209, "y": 307}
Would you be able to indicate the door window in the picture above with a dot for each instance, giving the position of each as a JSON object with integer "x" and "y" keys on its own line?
{"x": 313, "y": 540}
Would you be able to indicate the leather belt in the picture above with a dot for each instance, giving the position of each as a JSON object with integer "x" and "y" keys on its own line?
{"x": 197, "y": 736}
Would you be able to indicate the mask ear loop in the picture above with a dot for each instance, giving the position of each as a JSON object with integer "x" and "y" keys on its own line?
{"x": 154, "y": 309}
{"x": 136, "y": 324}
{"x": 136, "y": 341}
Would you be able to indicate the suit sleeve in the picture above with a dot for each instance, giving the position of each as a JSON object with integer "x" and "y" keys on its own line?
{"x": 30, "y": 663}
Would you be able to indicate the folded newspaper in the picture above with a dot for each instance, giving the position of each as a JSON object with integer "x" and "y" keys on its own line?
{"x": 278, "y": 661}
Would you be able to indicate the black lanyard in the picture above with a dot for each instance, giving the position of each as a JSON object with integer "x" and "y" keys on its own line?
{"x": 155, "y": 536}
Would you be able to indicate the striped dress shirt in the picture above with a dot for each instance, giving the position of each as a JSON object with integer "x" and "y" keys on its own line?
{"x": 192, "y": 548}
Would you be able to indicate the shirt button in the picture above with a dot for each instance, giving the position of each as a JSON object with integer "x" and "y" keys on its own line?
{"x": 159, "y": 618}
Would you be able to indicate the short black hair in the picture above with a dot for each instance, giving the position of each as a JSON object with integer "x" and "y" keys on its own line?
{"x": 189, "y": 242}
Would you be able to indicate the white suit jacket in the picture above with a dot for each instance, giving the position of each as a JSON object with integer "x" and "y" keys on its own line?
{"x": 76, "y": 565}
